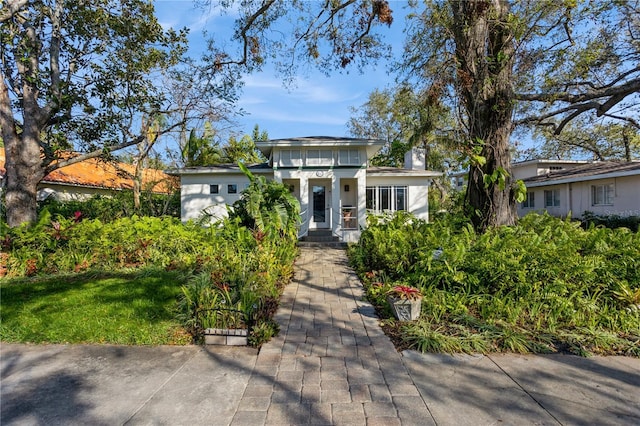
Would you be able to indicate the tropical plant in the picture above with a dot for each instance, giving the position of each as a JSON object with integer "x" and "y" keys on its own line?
{"x": 267, "y": 207}
{"x": 545, "y": 285}
{"x": 405, "y": 292}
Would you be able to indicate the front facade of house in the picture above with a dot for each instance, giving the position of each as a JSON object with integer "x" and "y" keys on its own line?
{"x": 329, "y": 177}
{"x": 604, "y": 188}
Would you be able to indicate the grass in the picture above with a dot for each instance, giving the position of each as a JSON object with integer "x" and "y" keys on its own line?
{"x": 122, "y": 307}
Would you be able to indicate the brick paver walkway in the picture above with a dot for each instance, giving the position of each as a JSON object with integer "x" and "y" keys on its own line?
{"x": 331, "y": 363}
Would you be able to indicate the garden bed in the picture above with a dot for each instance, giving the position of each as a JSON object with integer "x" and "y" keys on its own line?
{"x": 543, "y": 286}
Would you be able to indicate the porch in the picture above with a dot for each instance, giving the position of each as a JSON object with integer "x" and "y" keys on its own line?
{"x": 330, "y": 204}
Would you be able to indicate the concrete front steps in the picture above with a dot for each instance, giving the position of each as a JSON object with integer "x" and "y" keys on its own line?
{"x": 321, "y": 238}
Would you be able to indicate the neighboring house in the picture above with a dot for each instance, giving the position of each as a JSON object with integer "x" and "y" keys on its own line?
{"x": 604, "y": 188}
{"x": 530, "y": 168}
{"x": 82, "y": 180}
{"x": 328, "y": 175}
{"x": 563, "y": 187}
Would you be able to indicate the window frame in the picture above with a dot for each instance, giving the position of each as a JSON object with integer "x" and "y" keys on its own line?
{"x": 352, "y": 157}
{"x": 320, "y": 160}
{"x": 235, "y": 189}
{"x": 214, "y": 189}
{"x": 530, "y": 201}
{"x": 555, "y": 198}
{"x": 290, "y": 157}
{"x": 388, "y": 195}
{"x": 602, "y": 194}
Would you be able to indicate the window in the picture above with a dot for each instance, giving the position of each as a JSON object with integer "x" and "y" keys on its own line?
{"x": 214, "y": 189}
{"x": 401, "y": 198}
{"x": 602, "y": 195}
{"x": 319, "y": 157}
{"x": 349, "y": 157}
{"x": 392, "y": 198}
{"x": 290, "y": 157}
{"x": 232, "y": 188}
{"x": 371, "y": 197}
{"x": 552, "y": 198}
{"x": 529, "y": 203}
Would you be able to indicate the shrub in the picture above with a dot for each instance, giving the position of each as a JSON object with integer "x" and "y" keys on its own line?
{"x": 239, "y": 287}
{"x": 235, "y": 275}
{"x": 532, "y": 287}
{"x": 611, "y": 221}
{"x": 115, "y": 206}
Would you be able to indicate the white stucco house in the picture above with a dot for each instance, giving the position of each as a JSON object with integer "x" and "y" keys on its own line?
{"x": 565, "y": 188}
{"x": 330, "y": 176}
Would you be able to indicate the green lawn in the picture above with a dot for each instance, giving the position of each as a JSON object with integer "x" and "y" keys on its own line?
{"x": 121, "y": 307}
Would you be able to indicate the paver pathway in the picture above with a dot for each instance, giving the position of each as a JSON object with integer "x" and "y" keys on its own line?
{"x": 331, "y": 363}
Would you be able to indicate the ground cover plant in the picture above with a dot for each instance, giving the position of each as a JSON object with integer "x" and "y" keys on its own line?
{"x": 545, "y": 285}
{"x": 145, "y": 280}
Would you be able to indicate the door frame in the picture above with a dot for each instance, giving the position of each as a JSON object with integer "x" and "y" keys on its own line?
{"x": 326, "y": 183}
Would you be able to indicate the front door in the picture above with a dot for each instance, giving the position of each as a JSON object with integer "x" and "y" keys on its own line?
{"x": 320, "y": 196}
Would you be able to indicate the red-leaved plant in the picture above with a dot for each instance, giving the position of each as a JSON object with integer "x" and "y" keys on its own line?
{"x": 405, "y": 292}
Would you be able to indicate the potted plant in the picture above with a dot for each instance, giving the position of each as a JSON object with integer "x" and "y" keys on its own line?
{"x": 405, "y": 301}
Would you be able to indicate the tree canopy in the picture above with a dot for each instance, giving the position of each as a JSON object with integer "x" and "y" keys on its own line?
{"x": 83, "y": 76}
{"x": 73, "y": 74}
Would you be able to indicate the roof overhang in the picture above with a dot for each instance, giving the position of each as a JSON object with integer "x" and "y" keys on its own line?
{"x": 601, "y": 176}
{"x": 547, "y": 161}
{"x": 219, "y": 169}
{"x": 397, "y": 172}
{"x": 372, "y": 145}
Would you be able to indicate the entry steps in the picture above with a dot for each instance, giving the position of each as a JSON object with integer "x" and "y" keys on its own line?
{"x": 321, "y": 238}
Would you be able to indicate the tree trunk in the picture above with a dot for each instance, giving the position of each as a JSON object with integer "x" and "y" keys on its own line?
{"x": 24, "y": 170}
{"x": 24, "y": 165}
{"x": 626, "y": 141}
{"x": 485, "y": 53}
{"x": 137, "y": 188}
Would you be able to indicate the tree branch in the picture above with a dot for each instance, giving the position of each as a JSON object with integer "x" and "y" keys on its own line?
{"x": 10, "y": 8}
{"x": 601, "y": 100}
{"x": 627, "y": 88}
{"x": 245, "y": 38}
{"x": 629, "y": 120}
{"x": 100, "y": 152}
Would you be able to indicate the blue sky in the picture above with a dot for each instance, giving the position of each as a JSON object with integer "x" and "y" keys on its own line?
{"x": 316, "y": 105}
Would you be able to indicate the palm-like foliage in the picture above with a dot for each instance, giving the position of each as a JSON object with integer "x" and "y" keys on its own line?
{"x": 267, "y": 207}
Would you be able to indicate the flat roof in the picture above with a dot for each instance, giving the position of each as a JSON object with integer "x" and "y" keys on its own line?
{"x": 220, "y": 168}
{"x": 395, "y": 171}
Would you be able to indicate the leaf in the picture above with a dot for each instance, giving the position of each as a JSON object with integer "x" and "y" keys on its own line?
{"x": 520, "y": 191}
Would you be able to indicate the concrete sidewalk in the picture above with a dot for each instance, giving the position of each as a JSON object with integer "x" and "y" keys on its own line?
{"x": 331, "y": 364}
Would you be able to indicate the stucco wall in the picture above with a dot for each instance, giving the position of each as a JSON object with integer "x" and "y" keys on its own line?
{"x": 195, "y": 196}
{"x": 576, "y": 198}
{"x": 417, "y": 191}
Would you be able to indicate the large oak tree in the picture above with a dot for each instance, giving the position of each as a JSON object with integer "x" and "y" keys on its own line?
{"x": 72, "y": 73}
{"x": 502, "y": 63}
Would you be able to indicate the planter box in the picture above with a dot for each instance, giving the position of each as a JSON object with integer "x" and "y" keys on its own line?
{"x": 405, "y": 310}
{"x": 225, "y": 336}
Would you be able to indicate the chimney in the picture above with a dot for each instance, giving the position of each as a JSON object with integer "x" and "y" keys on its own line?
{"x": 414, "y": 159}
